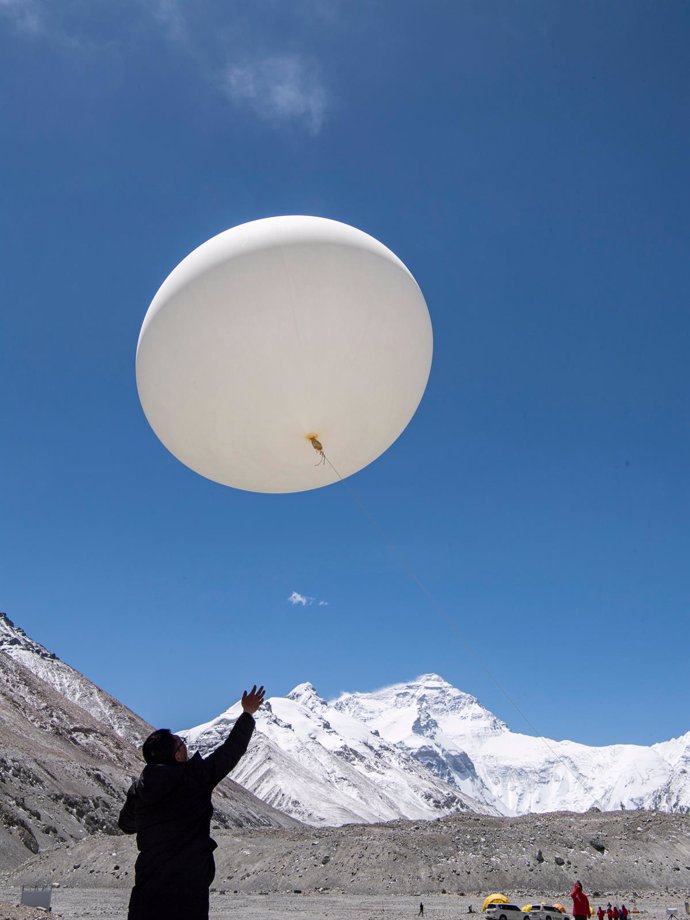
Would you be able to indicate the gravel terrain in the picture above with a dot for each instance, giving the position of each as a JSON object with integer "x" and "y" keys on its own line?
{"x": 111, "y": 904}
{"x": 365, "y": 870}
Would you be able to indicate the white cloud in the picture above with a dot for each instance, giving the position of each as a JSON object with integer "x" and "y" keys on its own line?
{"x": 297, "y": 598}
{"x": 283, "y": 89}
{"x": 303, "y": 600}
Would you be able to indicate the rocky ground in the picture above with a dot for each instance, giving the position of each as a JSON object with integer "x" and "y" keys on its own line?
{"x": 627, "y": 854}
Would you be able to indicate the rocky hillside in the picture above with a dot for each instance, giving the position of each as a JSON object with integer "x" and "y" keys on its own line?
{"x": 64, "y": 766}
{"x": 622, "y": 854}
{"x": 69, "y": 684}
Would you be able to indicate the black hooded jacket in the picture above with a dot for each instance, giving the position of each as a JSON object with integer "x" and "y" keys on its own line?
{"x": 169, "y": 808}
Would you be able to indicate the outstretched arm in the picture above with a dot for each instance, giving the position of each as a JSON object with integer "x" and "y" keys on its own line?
{"x": 218, "y": 764}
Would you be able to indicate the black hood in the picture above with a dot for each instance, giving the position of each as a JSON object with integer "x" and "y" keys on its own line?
{"x": 158, "y": 780}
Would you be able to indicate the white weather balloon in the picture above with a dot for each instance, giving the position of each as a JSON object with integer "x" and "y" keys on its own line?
{"x": 278, "y": 332}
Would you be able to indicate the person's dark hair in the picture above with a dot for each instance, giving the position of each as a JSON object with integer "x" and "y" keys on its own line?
{"x": 160, "y": 746}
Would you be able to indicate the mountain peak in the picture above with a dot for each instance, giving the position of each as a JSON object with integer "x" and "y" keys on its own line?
{"x": 422, "y": 707}
{"x": 431, "y": 680}
{"x": 12, "y": 637}
{"x": 306, "y": 695}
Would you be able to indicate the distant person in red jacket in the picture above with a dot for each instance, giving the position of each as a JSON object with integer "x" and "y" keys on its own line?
{"x": 623, "y": 912}
{"x": 609, "y": 911}
{"x": 616, "y": 912}
{"x": 601, "y": 913}
{"x": 580, "y": 902}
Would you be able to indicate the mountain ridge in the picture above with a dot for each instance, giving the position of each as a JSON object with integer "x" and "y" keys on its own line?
{"x": 525, "y": 773}
{"x": 327, "y": 753}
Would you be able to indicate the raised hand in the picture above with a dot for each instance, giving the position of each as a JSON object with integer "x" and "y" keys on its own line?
{"x": 252, "y": 701}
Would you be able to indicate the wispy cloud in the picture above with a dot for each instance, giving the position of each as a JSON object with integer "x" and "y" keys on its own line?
{"x": 25, "y": 15}
{"x": 283, "y": 90}
{"x": 170, "y": 15}
{"x": 280, "y": 90}
{"x": 303, "y": 600}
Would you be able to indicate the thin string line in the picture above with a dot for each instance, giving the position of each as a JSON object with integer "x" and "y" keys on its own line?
{"x": 406, "y": 566}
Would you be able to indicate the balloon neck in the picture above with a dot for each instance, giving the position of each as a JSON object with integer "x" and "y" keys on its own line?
{"x": 318, "y": 447}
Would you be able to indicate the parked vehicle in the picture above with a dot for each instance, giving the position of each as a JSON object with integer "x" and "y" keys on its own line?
{"x": 546, "y": 912}
{"x": 504, "y": 912}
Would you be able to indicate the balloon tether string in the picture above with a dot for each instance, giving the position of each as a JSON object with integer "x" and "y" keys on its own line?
{"x": 438, "y": 607}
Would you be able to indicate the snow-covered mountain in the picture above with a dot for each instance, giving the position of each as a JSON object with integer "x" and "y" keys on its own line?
{"x": 520, "y": 773}
{"x": 424, "y": 749}
{"x": 421, "y": 749}
{"x": 323, "y": 766}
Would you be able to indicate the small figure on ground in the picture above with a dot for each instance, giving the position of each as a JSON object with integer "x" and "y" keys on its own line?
{"x": 601, "y": 913}
{"x": 616, "y": 912}
{"x": 421, "y": 910}
{"x": 169, "y": 809}
{"x": 623, "y": 912}
{"x": 470, "y": 909}
{"x": 580, "y": 902}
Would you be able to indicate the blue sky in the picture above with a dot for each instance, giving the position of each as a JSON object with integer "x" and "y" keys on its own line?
{"x": 529, "y": 163}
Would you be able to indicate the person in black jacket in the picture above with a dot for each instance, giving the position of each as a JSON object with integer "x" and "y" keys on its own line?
{"x": 169, "y": 809}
